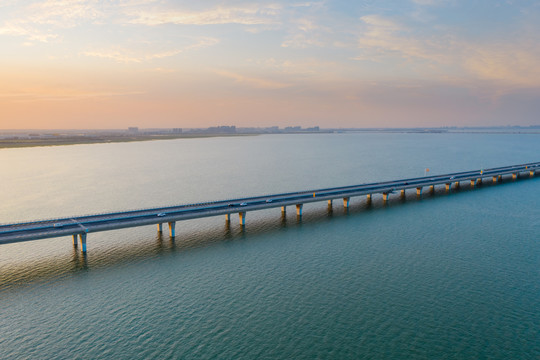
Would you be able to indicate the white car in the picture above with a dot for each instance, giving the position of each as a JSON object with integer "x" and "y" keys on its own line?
{"x": 161, "y": 214}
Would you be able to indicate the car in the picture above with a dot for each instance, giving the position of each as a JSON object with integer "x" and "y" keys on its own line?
{"x": 58, "y": 225}
{"x": 243, "y": 204}
{"x": 452, "y": 177}
{"x": 269, "y": 200}
{"x": 161, "y": 214}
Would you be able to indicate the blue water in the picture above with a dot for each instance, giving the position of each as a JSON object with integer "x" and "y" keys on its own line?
{"x": 444, "y": 276}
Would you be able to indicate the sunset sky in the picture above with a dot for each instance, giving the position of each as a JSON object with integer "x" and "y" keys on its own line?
{"x": 96, "y": 64}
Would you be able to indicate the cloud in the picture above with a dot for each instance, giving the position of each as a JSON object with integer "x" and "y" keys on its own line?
{"x": 59, "y": 94}
{"x": 250, "y": 15}
{"x": 131, "y": 56}
{"x": 26, "y": 31}
{"x": 254, "y": 82}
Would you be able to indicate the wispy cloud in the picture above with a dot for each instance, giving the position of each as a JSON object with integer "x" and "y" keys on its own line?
{"x": 249, "y": 15}
{"x": 124, "y": 55}
{"x": 60, "y": 94}
{"x": 255, "y": 82}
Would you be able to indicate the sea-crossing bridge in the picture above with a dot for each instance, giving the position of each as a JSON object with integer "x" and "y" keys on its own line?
{"x": 79, "y": 226}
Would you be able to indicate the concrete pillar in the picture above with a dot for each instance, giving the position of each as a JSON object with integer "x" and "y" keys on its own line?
{"x": 385, "y": 196}
{"x": 402, "y": 192}
{"x": 172, "y": 227}
{"x": 418, "y": 191}
{"x": 330, "y": 203}
{"x": 242, "y": 216}
{"x": 75, "y": 240}
{"x": 368, "y": 199}
{"x": 494, "y": 179}
{"x": 432, "y": 188}
{"x": 473, "y": 182}
{"x": 299, "y": 209}
{"x": 82, "y": 237}
{"x": 447, "y": 186}
{"x": 346, "y": 202}
{"x": 514, "y": 176}
{"x": 531, "y": 173}
{"x": 228, "y": 218}
{"x": 457, "y": 184}
{"x": 283, "y": 209}
{"x": 160, "y": 228}
{"x": 479, "y": 181}
{"x": 500, "y": 178}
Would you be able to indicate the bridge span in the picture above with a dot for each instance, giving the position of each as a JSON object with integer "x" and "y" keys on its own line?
{"x": 79, "y": 226}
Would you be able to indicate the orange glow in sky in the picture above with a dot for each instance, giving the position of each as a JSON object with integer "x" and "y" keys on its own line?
{"x": 95, "y": 65}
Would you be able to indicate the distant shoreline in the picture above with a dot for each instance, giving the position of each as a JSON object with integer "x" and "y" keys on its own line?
{"x": 103, "y": 139}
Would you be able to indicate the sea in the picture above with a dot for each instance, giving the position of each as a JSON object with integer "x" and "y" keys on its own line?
{"x": 444, "y": 275}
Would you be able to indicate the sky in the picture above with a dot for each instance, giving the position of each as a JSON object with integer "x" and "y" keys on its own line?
{"x": 100, "y": 64}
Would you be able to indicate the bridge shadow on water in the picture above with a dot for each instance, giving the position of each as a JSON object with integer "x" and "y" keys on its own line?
{"x": 52, "y": 267}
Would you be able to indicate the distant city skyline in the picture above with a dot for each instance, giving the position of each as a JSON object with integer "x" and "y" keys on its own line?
{"x": 76, "y": 64}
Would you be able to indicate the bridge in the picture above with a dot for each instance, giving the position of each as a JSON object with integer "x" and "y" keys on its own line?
{"x": 79, "y": 226}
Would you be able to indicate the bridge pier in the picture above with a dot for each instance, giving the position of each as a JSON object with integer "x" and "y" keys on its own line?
{"x": 299, "y": 209}
{"x": 228, "y": 218}
{"x": 499, "y": 178}
{"x": 494, "y": 179}
{"x": 346, "y": 202}
{"x": 456, "y": 184}
{"x": 514, "y": 176}
{"x": 473, "y": 182}
{"x": 172, "y": 229}
{"x": 447, "y": 187}
{"x": 402, "y": 194}
{"x": 368, "y": 199}
{"x": 160, "y": 228}
{"x": 385, "y": 196}
{"x": 82, "y": 238}
{"x": 242, "y": 217}
{"x": 330, "y": 203}
{"x": 431, "y": 189}
{"x": 283, "y": 209}
{"x": 418, "y": 191}
{"x": 531, "y": 173}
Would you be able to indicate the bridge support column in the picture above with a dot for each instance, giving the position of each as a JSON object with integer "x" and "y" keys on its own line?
{"x": 456, "y": 184}
{"x": 82, "y": 238}
{"x": 447, "y": 188}
{"x": 242, "y": 217}
{"x": 283, "y": 209}
{"x": 479, "y": 181}
{"x": 531, "y": 173}
{"x": 385, "y": 197}
{"x": 494, "y": 179}
{"x": 75, "y": 240}
{"x": 299, "y": 209}
{"x": 514, "y": 176}
{"x": 402, "y": 193}
{"x": 499, "y": 178}
{"x": 432, "y": 189}
{"x": 172, "y": 229}
{"x": 160, "y": 228}
{"x": 368, "y": 199}
{"x": 346, "y": 202}
{"x": 418, "y": 191}
{"x": 330, "y": 203}
{"x": 228, "y": 218}
{"x": 473, "y": 182}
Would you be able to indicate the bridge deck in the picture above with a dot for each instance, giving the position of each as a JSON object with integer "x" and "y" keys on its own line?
{"x": 81, "y": 225}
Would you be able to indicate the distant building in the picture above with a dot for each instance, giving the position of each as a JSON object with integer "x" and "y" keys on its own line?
{"x": 133, "y": 130}
{"x": 221, "y": 130}
{"x": 177, "y": 130}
